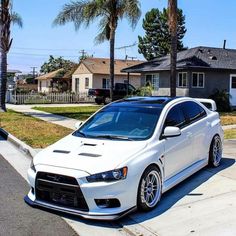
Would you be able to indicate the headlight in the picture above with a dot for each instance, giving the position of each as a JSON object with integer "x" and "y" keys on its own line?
{"x": 32, "y": 167}
{"x": 108, "y": 176}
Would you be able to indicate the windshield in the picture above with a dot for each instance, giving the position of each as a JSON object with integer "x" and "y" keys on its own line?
{"x": 125, "y": 123}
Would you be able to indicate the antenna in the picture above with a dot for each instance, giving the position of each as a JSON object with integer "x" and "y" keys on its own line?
{"x": 125, "y": 48}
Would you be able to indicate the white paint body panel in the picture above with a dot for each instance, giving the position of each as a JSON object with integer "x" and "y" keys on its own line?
{"x": 177, "y": 158}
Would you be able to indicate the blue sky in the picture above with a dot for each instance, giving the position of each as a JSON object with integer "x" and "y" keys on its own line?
{"x": 208, "y": 23}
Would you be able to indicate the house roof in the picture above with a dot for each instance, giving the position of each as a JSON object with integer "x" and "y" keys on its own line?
{"x": 49, "y": 75}
{"x": 102, "y": 65}
{"x": 195, "y": 58}
{"x": 54, "y": 74}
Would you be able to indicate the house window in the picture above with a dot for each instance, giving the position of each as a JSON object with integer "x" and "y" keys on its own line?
{"x": 233, "y": 82}
{"x": 198, "y": 80}
{"x": 182, "y": 80}
{"x": 105, "y": 83}
{"x": 153, "y": 80}
{"x": 40, "y": 85}
{"x": 86, "y": 83}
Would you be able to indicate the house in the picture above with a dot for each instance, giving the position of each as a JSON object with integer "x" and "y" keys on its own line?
{"x": 200, "y": 71}
{"x": 95, "y": 73}
{"x": 56, "y": 81}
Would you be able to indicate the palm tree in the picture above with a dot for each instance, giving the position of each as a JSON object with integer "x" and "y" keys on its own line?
{"x": 172, "y": 7}
{"x": 7, "y": 17}
{"x": 109, "y": 12}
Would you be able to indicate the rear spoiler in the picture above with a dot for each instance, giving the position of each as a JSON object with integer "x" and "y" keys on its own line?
{"x": 209, "y": 103}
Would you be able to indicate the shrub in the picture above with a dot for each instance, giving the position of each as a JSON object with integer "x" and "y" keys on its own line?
{"x": 222, "y": 100}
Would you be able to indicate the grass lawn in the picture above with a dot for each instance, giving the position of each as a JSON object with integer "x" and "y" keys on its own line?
{"x": 34, "y": 132}
{"x": 230, "y": 134}
{"x": 79, "y": 113}
{"x": 228, "y": 118}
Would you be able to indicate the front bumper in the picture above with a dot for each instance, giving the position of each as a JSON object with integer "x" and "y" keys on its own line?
{"x": 85, "y": 215}
{"x": 123, "y": 190}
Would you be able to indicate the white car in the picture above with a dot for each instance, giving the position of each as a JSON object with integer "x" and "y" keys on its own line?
{"x": 126, "y": 156}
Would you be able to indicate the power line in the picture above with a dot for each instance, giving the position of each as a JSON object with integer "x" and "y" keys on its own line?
{"x": 45, "y": 49}
{"x": 43, "y": 55}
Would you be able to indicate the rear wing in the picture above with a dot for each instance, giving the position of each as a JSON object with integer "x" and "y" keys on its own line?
{"x": 209, "y": 103}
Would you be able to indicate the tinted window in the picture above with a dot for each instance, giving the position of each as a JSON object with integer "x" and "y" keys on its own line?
{"x": 136, "y": 123}
{"x": 175, "y": 117}
{"x": 192, "y": 111}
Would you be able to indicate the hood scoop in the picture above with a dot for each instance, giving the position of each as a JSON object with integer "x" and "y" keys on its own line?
{"x": 61, "y": 151}
{"x": 89, "y": 154}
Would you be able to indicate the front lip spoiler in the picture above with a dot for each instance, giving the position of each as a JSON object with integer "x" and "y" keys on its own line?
{"x": 85, "y": 215}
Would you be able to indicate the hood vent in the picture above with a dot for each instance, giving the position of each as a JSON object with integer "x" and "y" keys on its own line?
{"x": 89, "y": 154}
{"x": 61, "y": 151}
{"x": 90, "y": 144}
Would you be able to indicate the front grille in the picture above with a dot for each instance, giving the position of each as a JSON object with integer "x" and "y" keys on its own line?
{"x": 60, "y": 190}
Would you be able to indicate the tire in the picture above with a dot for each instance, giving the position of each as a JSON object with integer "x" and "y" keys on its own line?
{"x": 107, "y": 100}
{"x": 215, "y": 153}
{"x": 148, "y": 194}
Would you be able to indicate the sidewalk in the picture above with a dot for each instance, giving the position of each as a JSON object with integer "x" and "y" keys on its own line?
{"x": 61, "y": 120}
{"x": 49, "y": 117}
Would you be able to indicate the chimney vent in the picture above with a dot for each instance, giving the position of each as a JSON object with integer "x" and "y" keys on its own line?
{"x": 224, "y": 45}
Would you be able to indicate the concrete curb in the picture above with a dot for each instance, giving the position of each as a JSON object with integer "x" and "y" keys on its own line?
{"x": 23, "y": 147}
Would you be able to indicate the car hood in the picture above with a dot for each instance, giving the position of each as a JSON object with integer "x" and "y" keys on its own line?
{"x": 89, "y": 155}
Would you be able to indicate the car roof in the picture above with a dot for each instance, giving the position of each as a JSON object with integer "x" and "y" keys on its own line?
{"x": 154, "y": 101}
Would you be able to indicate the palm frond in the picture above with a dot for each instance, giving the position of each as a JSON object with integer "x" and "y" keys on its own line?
{"x": 131, "y": 11}
{"x": 104, "y": 30}
{"x": 72, "y": 12}
{"x": 16, "y": 19}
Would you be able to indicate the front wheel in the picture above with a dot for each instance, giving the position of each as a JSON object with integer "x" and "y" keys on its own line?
{"x": 150, "y": 187}
{"x": 215, "y": 153}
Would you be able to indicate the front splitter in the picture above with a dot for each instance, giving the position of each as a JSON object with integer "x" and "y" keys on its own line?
{"x": 82, "y": 214}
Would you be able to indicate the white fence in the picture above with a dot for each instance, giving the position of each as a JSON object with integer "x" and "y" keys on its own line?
{"x": 49, "y": 98}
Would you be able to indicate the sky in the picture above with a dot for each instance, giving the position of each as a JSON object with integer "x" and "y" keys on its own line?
{"x": 208, "y": 23}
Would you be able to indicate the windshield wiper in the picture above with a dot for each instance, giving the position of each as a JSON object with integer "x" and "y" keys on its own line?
{"x": 81, "y": 133}
{"x": 113, "y": 137}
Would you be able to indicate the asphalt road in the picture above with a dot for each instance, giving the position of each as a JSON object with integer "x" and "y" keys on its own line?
{"x": 17, "y": 218}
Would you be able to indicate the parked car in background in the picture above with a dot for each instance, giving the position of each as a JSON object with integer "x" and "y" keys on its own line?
{"x": 120, "y": 91}
{"x": 126, "y": 156}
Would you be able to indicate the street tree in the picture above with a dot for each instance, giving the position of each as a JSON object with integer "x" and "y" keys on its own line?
{"x": 157, "y": 39}
{"x": 7, "y": 18}
{"x": 55, "y": 63}
{"x": 108, "y": 12}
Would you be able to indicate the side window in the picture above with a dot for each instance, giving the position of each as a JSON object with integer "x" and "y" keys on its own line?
{"x": 192, "y": 111}
{"x": 175, "y": 117}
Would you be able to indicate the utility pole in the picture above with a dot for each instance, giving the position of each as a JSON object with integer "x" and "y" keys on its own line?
{"x": 33, "y": 71}
{"x": 83, "y": 54}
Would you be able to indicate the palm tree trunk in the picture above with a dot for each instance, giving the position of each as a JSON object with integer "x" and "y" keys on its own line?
{"x": 172, "y": 7}
{"x": 112, "y": 61}
{"x": 3, "y": 75}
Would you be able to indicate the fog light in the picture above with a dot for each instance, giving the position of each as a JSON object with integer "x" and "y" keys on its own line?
{"x": 108, "y": 203}
{"x": 32, "y": 190}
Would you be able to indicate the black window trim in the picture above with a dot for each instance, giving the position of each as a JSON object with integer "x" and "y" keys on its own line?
{"x": 187, "y": 123}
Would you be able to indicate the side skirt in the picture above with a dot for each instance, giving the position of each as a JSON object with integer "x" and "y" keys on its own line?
{"x": 184, "y": 174}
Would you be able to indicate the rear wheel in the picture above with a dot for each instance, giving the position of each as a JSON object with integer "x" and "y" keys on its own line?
{"x": 106, "y": 100}
{"x": 215, "y": 153}
{"x": 149, "y": 192}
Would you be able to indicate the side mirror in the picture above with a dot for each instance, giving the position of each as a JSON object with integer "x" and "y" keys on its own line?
{"x": 78, "y": 124}
{"x": 171, "y": 131}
